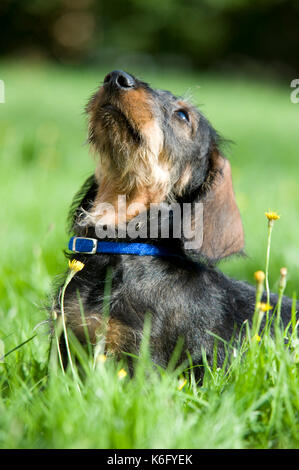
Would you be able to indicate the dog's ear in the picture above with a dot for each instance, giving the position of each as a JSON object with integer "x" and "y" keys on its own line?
{"x": 222, "y": 225}
{"x": 220, "y": 221}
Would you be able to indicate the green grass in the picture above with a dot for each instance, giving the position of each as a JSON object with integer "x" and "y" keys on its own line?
{"x": 43, "y": 161}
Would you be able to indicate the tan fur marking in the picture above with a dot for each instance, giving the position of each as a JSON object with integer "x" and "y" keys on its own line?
{"x": 116, "y": 336}
{"x": 135, "y": 103}
{"x": 119, "y": 337}
{"x": 183, "y": 180}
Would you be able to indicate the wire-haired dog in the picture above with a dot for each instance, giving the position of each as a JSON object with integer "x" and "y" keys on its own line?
{"x": 155, "y": 148}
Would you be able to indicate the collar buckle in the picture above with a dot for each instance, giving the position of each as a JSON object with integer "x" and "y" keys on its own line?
{"x": 89, "y": 245}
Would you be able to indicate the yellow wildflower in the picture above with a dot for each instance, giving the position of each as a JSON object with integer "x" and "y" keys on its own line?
{"x": 264, "y": 307}
{"x": 256, "y": 338}
{"x": 259, "y": 276}
{"x": 76, "y": 265}
{"x": 121, "y": 374}
{"x": 271, "y": 215}
{"x": 283, "y": 272}
{"x": 101, "y": 358}
{"x": 283, "y": 278}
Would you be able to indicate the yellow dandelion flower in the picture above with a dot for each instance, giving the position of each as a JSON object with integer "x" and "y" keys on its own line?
{"x": 283, "y": 272}
{"x": 259, "y": 276}
{"x": 264, "y": 307}
{"x": 121, "y": 374}
{"x": 283, "y": 279}
{"x": 271, "y": 215}
{"x": 256, "y": 338}
{"x": 182, "y": 384}
{"x": 76, "y": 265}
{"x": 101, "y": 358}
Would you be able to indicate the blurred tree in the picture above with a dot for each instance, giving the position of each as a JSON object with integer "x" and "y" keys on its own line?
{"x": 201, "y": 33}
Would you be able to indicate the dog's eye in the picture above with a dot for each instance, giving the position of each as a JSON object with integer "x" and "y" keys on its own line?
{"x": 183, "y": 115}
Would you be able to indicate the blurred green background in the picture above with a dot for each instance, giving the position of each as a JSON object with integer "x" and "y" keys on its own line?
{"x": 211, "y": 34}
{"x": 235, "y": 59}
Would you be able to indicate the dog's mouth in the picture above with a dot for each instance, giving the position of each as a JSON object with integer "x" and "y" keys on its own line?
{"x": 112, "y": 116}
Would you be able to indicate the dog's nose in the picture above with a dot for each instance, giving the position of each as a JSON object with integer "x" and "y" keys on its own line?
{"x": 119, "y": 79}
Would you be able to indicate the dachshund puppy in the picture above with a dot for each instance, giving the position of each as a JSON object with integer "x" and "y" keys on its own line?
{"x": 156, "y": 151}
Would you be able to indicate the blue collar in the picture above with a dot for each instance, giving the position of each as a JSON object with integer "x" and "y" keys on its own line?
{"x": 91, "y": 246}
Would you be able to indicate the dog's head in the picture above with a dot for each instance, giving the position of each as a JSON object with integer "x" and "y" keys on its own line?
{"x": 155, "y": 147}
